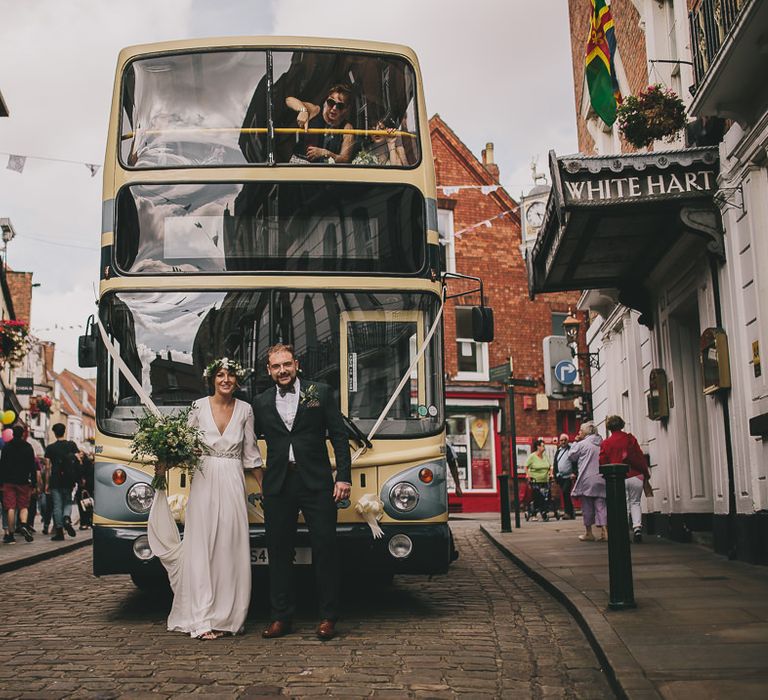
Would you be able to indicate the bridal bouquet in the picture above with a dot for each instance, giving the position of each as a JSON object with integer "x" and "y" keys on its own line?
{"x": 170, "y": 442}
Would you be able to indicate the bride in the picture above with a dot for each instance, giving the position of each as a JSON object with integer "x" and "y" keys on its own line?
{"x": 210, "y": 570}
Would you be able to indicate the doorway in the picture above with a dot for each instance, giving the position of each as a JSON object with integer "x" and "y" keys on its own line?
{"x": 688, "y": 426}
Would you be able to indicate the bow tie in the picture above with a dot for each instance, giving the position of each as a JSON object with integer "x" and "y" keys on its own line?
{"x": 290, "y": 390}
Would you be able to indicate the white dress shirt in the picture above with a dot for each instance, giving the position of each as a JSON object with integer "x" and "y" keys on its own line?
{"x": 287, "y": 406}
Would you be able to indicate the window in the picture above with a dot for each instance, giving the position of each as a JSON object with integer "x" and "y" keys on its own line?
{"x": 472, "y": 437}
{"x": 359, "y": 343}
{"x": 447, "y": 250}
{"x": 471, "y": 357}
{"x": 222, "y": 108}
{"x": 263, "y": 226}
{"x": 557, "y": 322}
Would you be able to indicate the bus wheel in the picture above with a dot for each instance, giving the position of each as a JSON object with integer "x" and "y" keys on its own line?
{"x": 154, "y": 584}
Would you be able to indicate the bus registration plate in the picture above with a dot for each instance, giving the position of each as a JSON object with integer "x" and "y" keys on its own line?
{"x": 260, "y": 557}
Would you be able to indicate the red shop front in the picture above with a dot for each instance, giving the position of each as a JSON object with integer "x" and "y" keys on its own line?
{"x": 473, "y": 427}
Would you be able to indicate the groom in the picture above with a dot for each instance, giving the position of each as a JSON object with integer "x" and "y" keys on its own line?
{"x": 294, "y": 417}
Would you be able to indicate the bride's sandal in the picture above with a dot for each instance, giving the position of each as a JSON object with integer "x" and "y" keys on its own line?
{"x": 208, "y": 636}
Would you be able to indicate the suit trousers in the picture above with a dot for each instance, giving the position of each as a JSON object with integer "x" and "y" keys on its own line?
{"x": 566, "y": 484}
{"x": 280, "y": 522}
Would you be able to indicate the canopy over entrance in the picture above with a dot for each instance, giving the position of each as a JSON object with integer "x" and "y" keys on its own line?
{"x": 611, "y": 219}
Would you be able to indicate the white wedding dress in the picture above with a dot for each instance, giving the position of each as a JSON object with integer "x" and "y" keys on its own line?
{"x": 210, "y": 569}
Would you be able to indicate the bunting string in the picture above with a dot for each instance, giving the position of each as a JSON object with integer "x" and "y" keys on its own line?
{"x": 487, "y": 223}
{"x": 450, "y": 190}
{"x": 17, "y": 162}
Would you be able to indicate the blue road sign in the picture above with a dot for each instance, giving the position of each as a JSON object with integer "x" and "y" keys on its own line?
{"x": 566, "y": 372}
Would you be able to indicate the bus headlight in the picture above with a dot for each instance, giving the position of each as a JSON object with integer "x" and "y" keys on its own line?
{"x": 400, "y": 546}
{"x": 140, "y": 497}
{"x": 142, "y": 549}
{"x": 404, "y": 496}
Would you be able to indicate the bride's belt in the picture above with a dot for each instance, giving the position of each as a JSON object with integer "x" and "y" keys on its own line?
{"x": 223, "y": 455}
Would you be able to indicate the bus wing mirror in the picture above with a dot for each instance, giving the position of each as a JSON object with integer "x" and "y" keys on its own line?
{"x": 86, "y": 345}
{"x": 482, "y": 324}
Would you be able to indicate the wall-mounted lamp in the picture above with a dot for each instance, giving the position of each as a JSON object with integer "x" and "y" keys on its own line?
{"x": 571, "y": 327}
{"x": 8, "y": 233}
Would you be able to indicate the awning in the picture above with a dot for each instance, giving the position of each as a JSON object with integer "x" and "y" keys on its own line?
{"x": 611, "y": 219}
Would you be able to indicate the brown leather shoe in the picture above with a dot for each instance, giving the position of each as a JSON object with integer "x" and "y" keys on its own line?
{"x": 326, "y": 630}
{"x": 278, "y": 628}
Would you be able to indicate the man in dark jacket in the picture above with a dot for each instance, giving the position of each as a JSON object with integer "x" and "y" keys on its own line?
{"x": 17, "y": 465}
{"x": 294, "y": 417}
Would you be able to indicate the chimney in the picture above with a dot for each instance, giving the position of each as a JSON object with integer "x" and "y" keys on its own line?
{"x": 488, "y": 163}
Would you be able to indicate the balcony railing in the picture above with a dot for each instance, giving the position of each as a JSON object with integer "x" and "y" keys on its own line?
{"x": 711, "y": 21}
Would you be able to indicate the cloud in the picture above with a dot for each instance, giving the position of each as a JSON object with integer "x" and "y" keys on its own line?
{"x": 52, "y": 319}
{"x": 57, "y": 65}
{"x": 495, "y": 71}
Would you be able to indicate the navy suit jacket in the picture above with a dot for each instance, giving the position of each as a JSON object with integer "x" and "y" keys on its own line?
{"x": 315, "y": 418}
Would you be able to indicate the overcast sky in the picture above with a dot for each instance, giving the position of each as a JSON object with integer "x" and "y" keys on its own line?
{"x": 495, "y": 70}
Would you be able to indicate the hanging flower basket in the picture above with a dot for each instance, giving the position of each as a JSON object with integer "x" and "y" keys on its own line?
{"x": 654, "y": 114}
{"x": 13, "y": 342}
{"x": 43, "y": 404}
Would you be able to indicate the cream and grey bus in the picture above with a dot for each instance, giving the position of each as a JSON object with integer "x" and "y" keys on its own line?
{"x": 228, "y": 225}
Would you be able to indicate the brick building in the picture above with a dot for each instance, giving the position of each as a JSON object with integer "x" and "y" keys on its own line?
{"x": 477, "y": 408}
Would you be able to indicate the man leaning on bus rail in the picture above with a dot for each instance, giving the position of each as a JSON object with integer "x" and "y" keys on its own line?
{"x": 332, "y": 114}
{"x": 294, "y": 417}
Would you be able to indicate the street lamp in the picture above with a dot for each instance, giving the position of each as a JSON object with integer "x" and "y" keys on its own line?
{"x": 571, "y": 327}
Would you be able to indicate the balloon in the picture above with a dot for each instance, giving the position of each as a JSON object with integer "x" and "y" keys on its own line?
{"x": 7, "y": 434}
{"x": 9, "y": 417}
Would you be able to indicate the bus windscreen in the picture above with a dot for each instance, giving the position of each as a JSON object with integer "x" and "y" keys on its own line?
{"x": 359, "y": 343}
{"x": 243, "y": 107}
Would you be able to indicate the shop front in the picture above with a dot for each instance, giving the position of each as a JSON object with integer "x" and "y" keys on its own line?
{"x": 473, "y": 429}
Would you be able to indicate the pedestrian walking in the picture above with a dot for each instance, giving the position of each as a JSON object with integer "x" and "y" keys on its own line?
{"x": 63, "y": 471}
{"x": 590, "y": 485}
{"x": 17, "y": 465}
{"x": 623, "y": 448}
{"x": 84, "y": 494}
{"x": 565, "y": 474}
{"x": 44, "y": 499}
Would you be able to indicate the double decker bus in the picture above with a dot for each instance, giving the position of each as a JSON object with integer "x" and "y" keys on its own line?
{"x": 221, "y": 237}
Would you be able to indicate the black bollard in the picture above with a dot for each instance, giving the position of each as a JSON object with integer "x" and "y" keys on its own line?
{"x": 506, "y": 521}
{"x": 622, "y": 594}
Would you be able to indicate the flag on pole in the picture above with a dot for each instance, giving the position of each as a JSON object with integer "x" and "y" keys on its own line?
{"x": 16, "y": 163}
{"x": 603, "y": 85}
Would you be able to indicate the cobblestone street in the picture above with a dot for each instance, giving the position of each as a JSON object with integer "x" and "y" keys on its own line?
{"x": 484, "y": 630}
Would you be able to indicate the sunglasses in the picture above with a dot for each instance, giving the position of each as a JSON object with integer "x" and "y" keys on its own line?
{"x": 338, "y": 105}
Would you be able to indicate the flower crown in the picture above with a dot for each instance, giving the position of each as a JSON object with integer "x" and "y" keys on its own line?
{"x": 230, "y": 365}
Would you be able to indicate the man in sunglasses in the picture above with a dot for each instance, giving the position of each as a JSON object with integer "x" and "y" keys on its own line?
{"x": 323, "y": 147}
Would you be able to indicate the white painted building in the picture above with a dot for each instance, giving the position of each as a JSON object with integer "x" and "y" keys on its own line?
{"x": 678, "y": 283}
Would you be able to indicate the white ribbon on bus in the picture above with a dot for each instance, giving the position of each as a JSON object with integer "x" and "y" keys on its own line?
{"x": 125, "y": 370}
{"x": 147, "y": 401}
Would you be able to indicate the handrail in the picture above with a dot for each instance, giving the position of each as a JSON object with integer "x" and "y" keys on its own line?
{"x": 263, "y": 130}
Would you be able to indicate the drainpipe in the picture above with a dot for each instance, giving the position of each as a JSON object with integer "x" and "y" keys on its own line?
{"x": 723, "y": 399}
